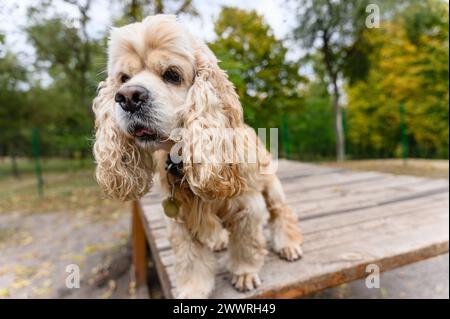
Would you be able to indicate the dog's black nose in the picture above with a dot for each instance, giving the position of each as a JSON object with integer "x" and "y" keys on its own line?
{"x": 132, "y": 97}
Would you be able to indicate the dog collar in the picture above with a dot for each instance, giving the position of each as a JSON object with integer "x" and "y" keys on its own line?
{"x": 175, "y": 169}
{"x": 174, "y": 174}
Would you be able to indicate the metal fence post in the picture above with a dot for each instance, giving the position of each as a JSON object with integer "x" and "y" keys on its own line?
{"x": 403, "y": 134}
{"x": 345, "y": 128}
{"x": 37, "y": 161}
{"x": 287, "y": 146}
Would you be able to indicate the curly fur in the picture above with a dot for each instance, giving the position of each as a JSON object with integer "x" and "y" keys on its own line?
{"x": 124, "y": 171}
{"x": 213, "y": 194}
{"x": 212, "y": 103}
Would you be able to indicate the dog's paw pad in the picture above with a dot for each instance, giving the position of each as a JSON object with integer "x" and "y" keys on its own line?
{"x": 246, "y": 282}
{"x": 291, "y": 253}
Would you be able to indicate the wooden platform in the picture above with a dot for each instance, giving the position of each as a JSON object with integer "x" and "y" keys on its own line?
{"x": 349, "y": 220}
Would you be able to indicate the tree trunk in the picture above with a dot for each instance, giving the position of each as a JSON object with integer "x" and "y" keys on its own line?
{"x": 15, "y": 169}
{"x": 159, "y": 7}
{"x": 334, "y": 75}
{"x": 85, "y": 55}
{"x": 134, "y": 8}
{"x": 338, "y": 126}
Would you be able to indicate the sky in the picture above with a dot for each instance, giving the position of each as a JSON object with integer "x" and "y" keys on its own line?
{"x": 278, "y": 14}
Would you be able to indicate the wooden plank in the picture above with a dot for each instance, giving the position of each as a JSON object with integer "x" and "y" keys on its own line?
{"x": 139, "y": 246}
{"x": 320, "y": 211}
{"x": 360, "y": 186}
{"x": 387, "y": 246}
{"x": 160, "y": 269}
{"x": 322, "y": 228}
{"x": 139, "y": 254}
{"x": 346, "y": 204}
{"x": 341, "y": 195}
{"x": 320, "y": 239}
{"x": 349, "y": 219}
{"x": 343, "y": 235}
{"x": 333, "y": 180}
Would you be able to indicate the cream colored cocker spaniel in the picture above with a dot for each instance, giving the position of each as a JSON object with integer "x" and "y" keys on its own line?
{"x": 162, "y": 79}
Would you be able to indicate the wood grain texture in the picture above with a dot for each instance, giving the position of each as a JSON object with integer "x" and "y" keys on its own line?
{"x": 139, "y": 244}
{"x": 349, "y": 220}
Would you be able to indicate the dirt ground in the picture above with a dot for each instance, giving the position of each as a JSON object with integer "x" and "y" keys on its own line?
{"x": 38, "y": 248}
{"x": 38, "y": 245}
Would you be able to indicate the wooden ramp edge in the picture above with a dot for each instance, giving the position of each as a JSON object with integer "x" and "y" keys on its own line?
{"x": 350, "y": 219}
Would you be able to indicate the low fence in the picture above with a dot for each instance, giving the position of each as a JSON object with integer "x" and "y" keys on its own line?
{"x": 38, "y": 151}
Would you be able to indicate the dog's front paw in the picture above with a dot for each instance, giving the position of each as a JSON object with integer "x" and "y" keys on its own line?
{"x": 220, "y": 243}
{"x": 291, "y": 253}
{"x": 246, "y": 281}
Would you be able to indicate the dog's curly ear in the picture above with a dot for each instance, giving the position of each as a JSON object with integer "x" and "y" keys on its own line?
{"x": 211, "y": 114}
{"x": 124, "y": 171}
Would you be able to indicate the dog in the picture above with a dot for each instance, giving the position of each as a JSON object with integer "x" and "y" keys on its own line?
{"x": 161, "y": 78}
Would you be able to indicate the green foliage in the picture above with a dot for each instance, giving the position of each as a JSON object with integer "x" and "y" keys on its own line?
{"x": 267, "y": 83}
{"x": 405, "y": 61}
{"x": 72, "y": 60}
{"x": 136, "y": 10}
{"x": 55, "y": 93}
{"x": 410, "y": 66}
{"x": 12, "y": 102}
{"x": 337, "y": 27}
{"x": 313, "y": 127}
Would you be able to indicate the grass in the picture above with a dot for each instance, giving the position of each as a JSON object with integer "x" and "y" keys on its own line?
{"x": 28, "y": 166}
{"x": 69, "y": 185}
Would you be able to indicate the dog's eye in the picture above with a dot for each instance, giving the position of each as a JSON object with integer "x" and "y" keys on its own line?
{"x": 124, "y": 78}
{"x": 172, "y": 76}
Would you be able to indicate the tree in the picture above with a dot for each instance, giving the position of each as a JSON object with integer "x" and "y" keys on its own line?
{"x": 12, "y": 100}
{"x": 410, "y": 67}
{"x": 66, "y": 44}
{"x": 336, "y": 28}
{"x": 136, "y": 10}
{"x": 314, "y": 123}
{"x": 267, "y": 83}
{"x": 70, "y": 61}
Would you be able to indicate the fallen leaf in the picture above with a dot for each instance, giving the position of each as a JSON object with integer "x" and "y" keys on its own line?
{"x": 4, "y": 292}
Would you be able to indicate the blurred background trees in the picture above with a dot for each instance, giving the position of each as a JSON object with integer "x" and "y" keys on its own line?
{"x": 409, "y": 68}
{"x": 12, "y": 105}
{"x": 333, "y": 30}
{"x": 269, "y": 85}
{"x": 136, "y": 10}
{"x": 348, "y": 86}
